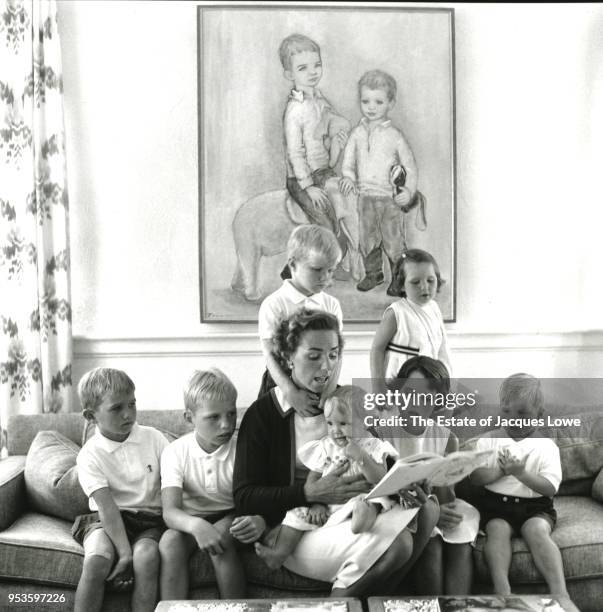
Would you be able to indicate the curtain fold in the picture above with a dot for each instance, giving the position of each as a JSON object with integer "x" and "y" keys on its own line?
{"x": 35, "y": 301}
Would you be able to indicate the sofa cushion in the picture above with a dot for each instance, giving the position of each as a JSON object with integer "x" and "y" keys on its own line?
{"x": 51, "y": 479}
{"x": 39, "y": 549}
{"x": 579, "y": 535}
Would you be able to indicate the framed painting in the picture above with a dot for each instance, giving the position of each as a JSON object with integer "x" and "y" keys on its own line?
{"x": 387, "y": 176}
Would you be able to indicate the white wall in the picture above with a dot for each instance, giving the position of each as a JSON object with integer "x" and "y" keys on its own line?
{"x": 529, "y": 125}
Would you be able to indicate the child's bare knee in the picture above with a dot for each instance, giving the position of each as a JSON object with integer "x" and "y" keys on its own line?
{"x": 172, "y": 544}
{"x": 536, "y": 529}
{"x": 97, "y": 566}
{"x": 146, "y": 555}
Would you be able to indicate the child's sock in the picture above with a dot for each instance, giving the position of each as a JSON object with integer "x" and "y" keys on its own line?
{"x": 364, "y": 516}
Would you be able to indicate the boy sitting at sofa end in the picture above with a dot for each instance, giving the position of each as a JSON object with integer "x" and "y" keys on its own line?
{"x": 118, "y": 469}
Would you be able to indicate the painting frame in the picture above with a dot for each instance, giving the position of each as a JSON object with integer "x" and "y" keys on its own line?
{"x": 220, "y": 29}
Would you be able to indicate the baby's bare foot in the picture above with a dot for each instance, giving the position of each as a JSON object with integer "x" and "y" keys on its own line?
{"x": 364, "y": 516}
{"x": 270, "y": 556}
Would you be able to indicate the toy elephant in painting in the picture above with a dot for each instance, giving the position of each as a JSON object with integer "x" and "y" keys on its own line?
{"x": 261, "y": 228}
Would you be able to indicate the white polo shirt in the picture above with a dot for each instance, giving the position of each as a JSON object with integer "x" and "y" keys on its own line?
{"x": 205, "y": 478}
{"x": 543, "y": 459}
{"x": 130, "y": 468}
{"x": 286, "y": 300}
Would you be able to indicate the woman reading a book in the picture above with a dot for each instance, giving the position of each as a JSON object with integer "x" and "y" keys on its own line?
{"x": 446, "y": 564}
{"x": 269, "y": 478}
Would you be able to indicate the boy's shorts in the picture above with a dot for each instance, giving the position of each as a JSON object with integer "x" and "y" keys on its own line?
{"x": 515, "y": 510}
{"x": 138, "y": 525}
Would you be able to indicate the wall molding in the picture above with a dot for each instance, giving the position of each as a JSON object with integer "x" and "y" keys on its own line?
{"x": 359, "y": 342}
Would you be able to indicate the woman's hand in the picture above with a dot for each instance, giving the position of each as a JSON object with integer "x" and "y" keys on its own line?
{"x": 332, "y": 489}
{"x": 248, "y": 529}
{"x": 304, "y": 402}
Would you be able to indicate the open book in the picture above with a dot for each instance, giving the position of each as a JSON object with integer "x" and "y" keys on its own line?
{"x": 437, "y": 470}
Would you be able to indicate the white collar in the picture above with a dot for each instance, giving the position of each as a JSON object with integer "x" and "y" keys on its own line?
{"x": 296, "y": 296}
{"x": 219, "y": 454}
{"x": 365, "y": 122}
{"x": 300, "y": 96}
{"x": 110, "y": 446}
{"x": 282, "y": 404}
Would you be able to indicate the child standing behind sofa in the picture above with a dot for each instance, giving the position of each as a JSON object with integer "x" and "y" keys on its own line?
{"x": 520, "y": 484}
{"x": 118, "y": 468}
{"x": 374, "y": 147}
{"x": 412, "y": 325}
{"x": 196, "y": 482}
{"x": 312, "y": 255}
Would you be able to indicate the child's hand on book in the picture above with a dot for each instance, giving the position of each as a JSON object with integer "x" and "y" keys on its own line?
{"x": 415, "y": 495}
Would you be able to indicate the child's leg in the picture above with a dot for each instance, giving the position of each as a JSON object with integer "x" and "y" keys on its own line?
{"x": 99, "y": 555}
{"x": 427, "y": 519}
{"x": 280, "y": 544}
{"x": 497, "y": 551}
{"x": 364, "y": 515}
{"x": 458, "y": 569}
{"x": 230, "y": 574}
{"x": 145, "y": 553}
{"x": 427, "y": 572}
{"x": 547, "y": 556}
{"x": 175, "y": 549}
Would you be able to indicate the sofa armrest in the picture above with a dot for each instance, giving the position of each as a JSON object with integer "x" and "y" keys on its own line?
{"x": 12, "y": 489}
{"x": 597, "y": 490}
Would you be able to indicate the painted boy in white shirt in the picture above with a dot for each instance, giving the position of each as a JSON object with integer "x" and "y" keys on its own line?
{"x": 196, "y": 483}
{"x": 373, "y": 148}
{"x": 118, "y": 468}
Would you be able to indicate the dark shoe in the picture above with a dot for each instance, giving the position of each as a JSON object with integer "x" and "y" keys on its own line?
{"x": 370, "y": 281}
{"x": 393, "y": 289}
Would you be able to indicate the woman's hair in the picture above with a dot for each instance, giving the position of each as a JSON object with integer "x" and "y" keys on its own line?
{"x": 522, "y": 387}
{"x": 348, "y": 400}
{"x": 412, "y": 256}
{"x": 433, "y": 370}
{"x": 289, "y": 332}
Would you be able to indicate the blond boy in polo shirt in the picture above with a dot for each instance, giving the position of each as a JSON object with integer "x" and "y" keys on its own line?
{"x": 118, "y": 468}
{"x": 196, "y": 489}
{"x": 312, "y": 256}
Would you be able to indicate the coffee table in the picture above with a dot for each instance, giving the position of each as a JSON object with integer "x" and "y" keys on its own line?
{"x": 305, "y": 604}
{"x": 469, "y": 603}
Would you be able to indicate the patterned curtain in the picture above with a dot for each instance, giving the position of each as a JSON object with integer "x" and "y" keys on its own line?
{"x": 35, "y": 302}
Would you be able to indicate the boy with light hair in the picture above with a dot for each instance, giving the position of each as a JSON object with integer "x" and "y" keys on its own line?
{"x": 118, "y": 468}
{"x": 312, "y": 255}
{"x": 196, "y": 482}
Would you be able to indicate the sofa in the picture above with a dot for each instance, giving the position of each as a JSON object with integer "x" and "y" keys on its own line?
{"x": 39, "y": 496}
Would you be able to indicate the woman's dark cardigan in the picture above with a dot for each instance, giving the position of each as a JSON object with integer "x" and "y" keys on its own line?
{"x": 264, "y": 471}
